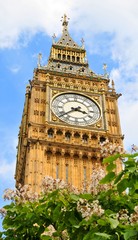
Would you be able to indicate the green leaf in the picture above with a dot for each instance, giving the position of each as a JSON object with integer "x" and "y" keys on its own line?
{"x": 45, "y": 237}
{"x": 136, "y": 185}
{"x": 108, "y": 178}
{"x": 103, "y": 235}
{"x": 130, "y": 164}
{"x": 90, "y": 236}
{"x": 73, "y": 220}
{"x": 63, "y": 200}
{"x": 122, "y": 185}
{"x": 111, "y": 159}
{"x": 56, "y": 212}
{"x": 113, "y": 222}
{"x": 133, "y": 155}
{"x": 86, "y": 196}
{"x": 110, "y": 167}
{"x": 102, "y": 222}
{"x": 118, "y": 178}
{"x": 130, "y": 233}
{"x": 74, "y": 197}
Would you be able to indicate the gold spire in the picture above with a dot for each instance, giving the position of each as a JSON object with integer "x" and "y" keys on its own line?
{"x": 64, "y": 20}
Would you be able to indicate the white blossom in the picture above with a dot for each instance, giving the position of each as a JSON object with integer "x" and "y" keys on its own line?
{"x": 109, "y": 148}
{"x": 134, "y": 148}
{"x": 3, "y": 212}
{"x": 134, "y": 216}
{"x": 88, "y": 209}
{"x": 94, "y": 186}
{"x": 123, "y": 216}
{"x": 50, "y": 184}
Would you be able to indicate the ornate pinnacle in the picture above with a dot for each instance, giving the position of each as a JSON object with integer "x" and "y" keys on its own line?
{"x": 104, "y": 67}
{"x": 82, "y": 41}
{"x": 113, "y": 85}
{"x": 54, "y": 37}
{"x": 105, "y": 70}
{"x": 39, "y": 59}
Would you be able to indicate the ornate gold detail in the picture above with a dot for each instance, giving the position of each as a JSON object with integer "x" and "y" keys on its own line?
{"x": 54, "y": 118}
{"x": 54, "y": 92}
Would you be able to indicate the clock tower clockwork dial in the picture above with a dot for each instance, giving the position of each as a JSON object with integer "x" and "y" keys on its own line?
{"x": 76, "y": 109}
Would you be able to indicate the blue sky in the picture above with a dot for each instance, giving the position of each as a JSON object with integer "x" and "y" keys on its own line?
{"x": 110, "y": 31}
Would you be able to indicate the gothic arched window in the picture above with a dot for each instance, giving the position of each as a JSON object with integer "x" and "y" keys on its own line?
{"x": 78, "y": 59}
{"x": 85, "y": 138}
{"x": 76, "y": 135}
{"x": 73, "y": 59}
{"x": 102, "y": 139}
{"x": 59, "y": 132}
{"x": 67, "y": 136}
{"x": 50, "y": 133}
{"x": 59, "y": 56}
{"x": 68, "y": 57}
{"x": 64, "y": 57}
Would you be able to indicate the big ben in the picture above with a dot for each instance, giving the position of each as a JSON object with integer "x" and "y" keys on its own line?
{"x": 69, "y": 110}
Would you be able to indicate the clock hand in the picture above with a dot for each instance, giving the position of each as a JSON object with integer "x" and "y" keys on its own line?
{"x": 79, "y": 110}
{"x": 72, "y": 109}
{"x": 82, "y": 111}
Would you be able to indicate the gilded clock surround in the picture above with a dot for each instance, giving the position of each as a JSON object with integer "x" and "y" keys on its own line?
{"x": 50, "y": 146}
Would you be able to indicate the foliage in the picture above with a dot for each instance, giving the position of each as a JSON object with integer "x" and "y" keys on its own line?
{"x": 62, "y": 212}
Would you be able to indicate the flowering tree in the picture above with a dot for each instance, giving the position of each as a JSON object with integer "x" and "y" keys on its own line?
{"x": 109, "y": 210}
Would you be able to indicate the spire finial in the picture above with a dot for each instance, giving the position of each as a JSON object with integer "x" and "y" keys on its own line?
{"x": 65, "y": 20}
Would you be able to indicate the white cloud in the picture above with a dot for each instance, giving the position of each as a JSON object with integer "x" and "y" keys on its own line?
{"x": 7, "y": 154}
{"x": 23, "y": 18}
{"x": 7, "y": 169}
{"x": 117, "y": 19}
{"x": 15, "y": 69}
{"x": 127, "y": 84}
{"x": 8, "y": 145}
{"x": 129, "y": 119}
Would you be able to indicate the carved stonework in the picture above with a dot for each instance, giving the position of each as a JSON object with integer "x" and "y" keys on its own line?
{"x": 63, "y": 148}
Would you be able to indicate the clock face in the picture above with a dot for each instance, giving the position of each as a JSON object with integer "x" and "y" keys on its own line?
{"x": 75, "y": 109}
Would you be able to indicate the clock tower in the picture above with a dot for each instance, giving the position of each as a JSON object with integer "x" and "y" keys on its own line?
{"x": 69, "y": 110}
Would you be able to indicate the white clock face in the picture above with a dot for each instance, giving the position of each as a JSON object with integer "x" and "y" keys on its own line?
{"x": 75, "y": 109}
